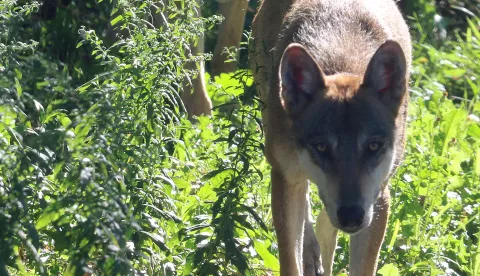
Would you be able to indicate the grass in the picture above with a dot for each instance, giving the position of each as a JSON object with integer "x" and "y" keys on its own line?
{"x": 107, "y": 176}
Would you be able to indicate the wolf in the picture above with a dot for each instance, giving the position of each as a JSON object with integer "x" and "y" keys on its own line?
{"x": 334, "y": 78}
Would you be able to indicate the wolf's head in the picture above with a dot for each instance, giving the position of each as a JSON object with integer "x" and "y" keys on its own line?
{"x": 345, "y": 126}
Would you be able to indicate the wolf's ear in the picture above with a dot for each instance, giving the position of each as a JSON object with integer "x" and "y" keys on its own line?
{"x": 386, "y": 74}
{"x": 300, "y": 79}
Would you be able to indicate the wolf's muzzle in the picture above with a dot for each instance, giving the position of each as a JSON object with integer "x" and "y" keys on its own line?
{"x": 350, "y": 217}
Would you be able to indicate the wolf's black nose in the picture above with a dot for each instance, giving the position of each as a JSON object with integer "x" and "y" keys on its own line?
{"x": 350, "y": 216}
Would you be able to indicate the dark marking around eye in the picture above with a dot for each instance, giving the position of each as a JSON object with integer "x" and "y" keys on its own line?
{"x": 374, "y": 146}
{"x": 320, "y": 156}
{"x": 321, "y": 147}
{"x": 373, "y": 157}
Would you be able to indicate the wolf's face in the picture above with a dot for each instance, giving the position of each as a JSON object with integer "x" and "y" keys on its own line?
{"x": 347, "y": 149}
{"x": 344, "y": 127}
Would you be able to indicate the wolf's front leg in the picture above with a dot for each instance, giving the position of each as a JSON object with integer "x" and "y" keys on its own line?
{"x": 365, "y": 246}
{"x": 288, "y": 209}
{"x": 327, "y": 238}
{"x": 312, "y": 263}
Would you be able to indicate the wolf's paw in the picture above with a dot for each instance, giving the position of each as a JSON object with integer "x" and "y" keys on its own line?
{"x": 312, "y": 264}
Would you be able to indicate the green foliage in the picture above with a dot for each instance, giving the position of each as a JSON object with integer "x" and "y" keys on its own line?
{"x": 434, "y": 229}
{"x": 435, "y": 226}
{"x": 437, "y": 21}
{"x": 100, "y": 172}
{"x": 459, "y": 72}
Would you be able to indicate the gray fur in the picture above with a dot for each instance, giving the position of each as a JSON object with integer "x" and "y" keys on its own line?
{"x": 342, "y": 35}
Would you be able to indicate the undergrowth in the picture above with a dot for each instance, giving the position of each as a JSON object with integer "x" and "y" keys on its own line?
{"x": 101, "y": 172}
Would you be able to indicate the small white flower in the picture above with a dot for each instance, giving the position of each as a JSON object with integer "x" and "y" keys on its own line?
{"x": 468, "y": 209}
{"x": 86, "y": 175}
{"x": 473, "y": 118}
{"x": 130, "y": 246}
{"x": 454, "y": 195}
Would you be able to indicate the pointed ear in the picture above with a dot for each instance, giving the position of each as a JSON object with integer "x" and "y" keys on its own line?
{"x": 386, "y": 74}
{"x": 300, "y": 79}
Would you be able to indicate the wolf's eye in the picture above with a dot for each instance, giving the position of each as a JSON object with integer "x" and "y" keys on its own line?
{"x": 374, "y": 146}
{"x": 322, "y": 147}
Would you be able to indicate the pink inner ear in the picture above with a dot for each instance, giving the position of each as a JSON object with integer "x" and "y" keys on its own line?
{"x": 387, "y": 78}
{"x": 298, "y": 74}
{"x": 295, "y": 58}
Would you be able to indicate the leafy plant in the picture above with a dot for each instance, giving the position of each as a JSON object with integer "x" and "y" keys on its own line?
{"x": 101, "y": 173}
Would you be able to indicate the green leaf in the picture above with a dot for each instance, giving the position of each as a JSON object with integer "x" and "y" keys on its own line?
{"x": 150, "y": 122}
{"x": 157, "y": 239}
{"x": 473, "y": 27}
{"x": 40, "y": 85}
{"x": 65, "y": 121}
{"x": 474, "y": 131}
{"x": 83, "y": 88}
{"x": 48, "y": 217}
{"x": 257, "y": 218}
{"x": 18, "y": 73}
{"x": 20, "y": 264}
{"x": 394, "y": 235}
{"x": 477, "y": 162}
{"x": 476, "y": 269}
{"x": 18, "y": 87}
{"x": 454, "y": 73}
{"x": 212, "y": 174}
{"x": 269, "y": 260}
{"x": 389, "y": 270}
{"x": 453, "y": 120}
{"x": 181, "y": 183}
{"x": 116, "y": 20}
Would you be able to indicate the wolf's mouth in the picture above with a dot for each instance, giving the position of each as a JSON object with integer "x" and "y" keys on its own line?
{"x": 352, "y": 229}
